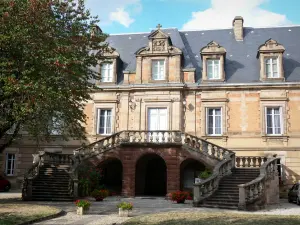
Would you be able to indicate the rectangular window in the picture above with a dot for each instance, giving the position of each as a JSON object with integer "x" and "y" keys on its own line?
{"x": 214, "y": 121}
{"x": 272, "y": 67}
{"x": 213, "y": 69}
{"x": 107, "y": 72}
{"x": 273, "y": 120}
{"x": 158, "y": 69}
{"x": 104, "y": 121}
{"x": 10, "y": 164}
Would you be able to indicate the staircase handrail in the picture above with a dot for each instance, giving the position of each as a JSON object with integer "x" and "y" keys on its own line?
{"x": 207, "y": 187}
{"x": 205, "y": 146}
{"x": 253, "y": 190}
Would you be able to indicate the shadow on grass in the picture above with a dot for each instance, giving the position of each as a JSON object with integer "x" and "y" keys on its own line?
{"x": 13, "y": 219}
{"x": 221, "y": 219}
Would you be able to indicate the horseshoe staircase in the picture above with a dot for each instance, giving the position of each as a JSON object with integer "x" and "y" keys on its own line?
{"x": 236, "y": 182}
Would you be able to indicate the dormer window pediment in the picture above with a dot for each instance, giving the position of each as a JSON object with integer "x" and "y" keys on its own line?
{"x": 213, "y": 57}
{"x": 108, "y": 65}
{"x": 270, "y": 55}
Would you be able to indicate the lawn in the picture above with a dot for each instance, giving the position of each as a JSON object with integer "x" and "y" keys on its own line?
{"x": 17, "y": 213}
{"x": 201, "y": 218}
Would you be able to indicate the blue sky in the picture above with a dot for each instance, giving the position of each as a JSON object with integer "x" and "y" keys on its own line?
{"x": 128, "y": 16}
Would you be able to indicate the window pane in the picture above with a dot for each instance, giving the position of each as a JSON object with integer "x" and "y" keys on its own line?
{"x": 210, "y": 72}
{"x": 158, "y": 69}
{"x": 218, "y": 125}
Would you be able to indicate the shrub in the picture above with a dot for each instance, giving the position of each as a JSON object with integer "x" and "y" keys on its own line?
{"x": 205, "y": 174}
{"x": 179, "y": 196}
{"x": 125, "y": 205}
{"x": 100, "y": 194}
{"x": 83, "y": 203}
{"x": 89, "y": 177}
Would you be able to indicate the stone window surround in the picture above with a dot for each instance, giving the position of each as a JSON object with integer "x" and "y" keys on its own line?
{"x": 263, "y": 106}
{"x": 271, "y": 48}
{"x": 111, "y": 106}
{"x": 212, "y": 104}
{"x": 114, "y": 70}
{"x": 166, "y": 59}
{"x": 263, "y": 75}
{"x": 11, "y": 151}
{"x": 157, "y": 105}
{"x": 222, "y": 71}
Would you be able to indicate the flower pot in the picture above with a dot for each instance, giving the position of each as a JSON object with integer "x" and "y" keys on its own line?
{"x": 80, "y": 211}
{"x": 180, "y": 201}
{"x": 123, "y": 212}
{"x": 99, "y": 199}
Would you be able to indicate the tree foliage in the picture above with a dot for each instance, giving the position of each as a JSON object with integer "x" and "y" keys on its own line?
{"x": 47, "y": 57}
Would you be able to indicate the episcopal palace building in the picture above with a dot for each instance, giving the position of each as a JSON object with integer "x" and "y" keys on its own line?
{"x": 238, "y": 88}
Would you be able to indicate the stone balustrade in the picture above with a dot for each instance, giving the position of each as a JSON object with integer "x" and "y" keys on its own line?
{"x": 207, "y": 187}
{"x": 250, "y": 161}
{"x": 258, "y": 189}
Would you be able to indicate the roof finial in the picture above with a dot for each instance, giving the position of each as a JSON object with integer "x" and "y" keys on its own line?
{"x": 158, "y": 26}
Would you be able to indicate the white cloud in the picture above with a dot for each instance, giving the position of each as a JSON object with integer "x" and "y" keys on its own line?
{"x": 121, "y": 17}
{"x": 222, "y": 12}
{"x": 120, "y": 11}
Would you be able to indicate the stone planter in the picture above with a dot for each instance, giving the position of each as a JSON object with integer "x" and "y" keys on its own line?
{"x": 124, "y": 212}
{"x": 81, "y": 211}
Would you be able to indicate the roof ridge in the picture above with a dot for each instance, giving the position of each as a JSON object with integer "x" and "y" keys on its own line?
{"x": 258, "y": 27}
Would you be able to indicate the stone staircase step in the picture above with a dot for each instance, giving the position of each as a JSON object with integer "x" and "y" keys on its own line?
{"x": 219, "y": 206}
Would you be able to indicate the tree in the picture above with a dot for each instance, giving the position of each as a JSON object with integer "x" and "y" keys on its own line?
{"x": 48, "y": 51}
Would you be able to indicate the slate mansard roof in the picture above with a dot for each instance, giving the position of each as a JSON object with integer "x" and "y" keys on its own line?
{"x": 241, "y": 63}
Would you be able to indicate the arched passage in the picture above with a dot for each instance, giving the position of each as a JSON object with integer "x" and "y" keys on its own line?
{"x": 112, "y": 175}
{"x": 189, "y": 170}
{"x": 151, "y": 176}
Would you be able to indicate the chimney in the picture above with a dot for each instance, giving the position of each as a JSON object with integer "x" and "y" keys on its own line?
{"x": 238, "y": 28}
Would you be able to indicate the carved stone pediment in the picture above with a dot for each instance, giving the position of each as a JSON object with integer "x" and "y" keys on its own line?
{"x": 108, "y": 52}
{"x": 270, "y": 46}
{"x": 213, "y": 48}
{"x": 159, "y": 44}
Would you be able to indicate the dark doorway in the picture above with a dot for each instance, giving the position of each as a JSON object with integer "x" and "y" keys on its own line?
{"x": 151, "y": 176}
{"x": 189, "y": 170}
{"x": 112, "y": 175}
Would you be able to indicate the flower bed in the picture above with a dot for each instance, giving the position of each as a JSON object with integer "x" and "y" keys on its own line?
{"x": 99, "y": 195}
{"x": 179, "y": 196}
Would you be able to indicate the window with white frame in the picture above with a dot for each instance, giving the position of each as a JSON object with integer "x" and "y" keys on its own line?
{"x": 10, "y": 164}
{"x": 273, "y": 120}
{"x": 213, "y": 69}
{"x": 56, "y": 125}
{"x": 158, "y": 69}
{"x": 272, "y": 67}
{"x": 104, "y": 121}
{"x": 214, "y": 121}
{"x": 107, "y": 72}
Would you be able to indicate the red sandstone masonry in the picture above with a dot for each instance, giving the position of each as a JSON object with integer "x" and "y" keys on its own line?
{"x": 129, "y": 156}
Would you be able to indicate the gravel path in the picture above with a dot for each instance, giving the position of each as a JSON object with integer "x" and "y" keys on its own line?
{"x": 106, "y": 212}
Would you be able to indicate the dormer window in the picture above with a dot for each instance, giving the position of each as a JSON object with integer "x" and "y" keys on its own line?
{"x": 107, "y": 72}
{"x": 270, "y": 55}
{"x": 158, "y": 70}
{"x": 213, "y": 69}
{"x": 213, "y": 58}
{"x": 272, "y": 67}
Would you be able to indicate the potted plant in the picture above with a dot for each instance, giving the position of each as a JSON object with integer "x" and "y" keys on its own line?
{"x": 124, "y": 208}
{"x": 205, "y": 174}
{"x": 99, "y": 195}
{"x": 82, "y": 206}
{"x": 179, "y": 196}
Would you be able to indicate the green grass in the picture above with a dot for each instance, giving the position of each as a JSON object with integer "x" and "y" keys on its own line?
{"x": 201, "y": 218}
{"x": 17, "y": 213}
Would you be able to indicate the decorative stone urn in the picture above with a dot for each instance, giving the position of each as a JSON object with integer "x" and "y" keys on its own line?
{"x": 124, "y": 212}
{"x": 80, "y": 211}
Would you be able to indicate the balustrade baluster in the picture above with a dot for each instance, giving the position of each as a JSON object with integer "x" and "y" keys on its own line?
{"x": 238, "y": 161}
{"x": 213, "y": 150}
{"x": 243, "y": 162}
{"x": 218, "y": 152}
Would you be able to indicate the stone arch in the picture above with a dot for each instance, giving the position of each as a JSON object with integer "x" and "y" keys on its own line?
{"x": 190, "y": 169}
{"x": 112, "y": 174}
{"x": 151, "y": 175}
